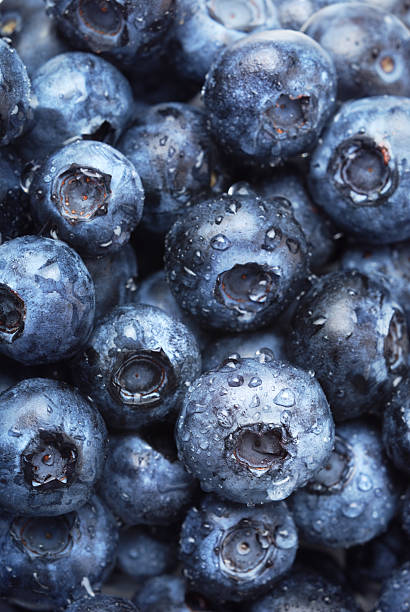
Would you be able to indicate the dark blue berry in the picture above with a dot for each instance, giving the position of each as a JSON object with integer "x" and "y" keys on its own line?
{"x": 353, "y": 497}
{"x": 359, "y": 172}
{"x": 235, "y": 552}
{"x": 136, "y": 365}
{"x": 269, "y": 95}
{"x": 143, "y": 483}
{"x": 52, "y": 449}
{"x": 234, "y": 262}
{"x": 253, "y": 432}
{"x": 352, "y": 334}
{"x": 47, "y": 300}
{"x": 89, "y": 195}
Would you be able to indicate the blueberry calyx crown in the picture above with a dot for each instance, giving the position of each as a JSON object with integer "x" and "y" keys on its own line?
{"x": 245, "y": 288}
{"x": 12, "y": 314}
{"x": 240, "y": 15}
{"x": 287, "y": 115}
{"x": 364, "y": 170}
{"x": 143, "y": 378}
{"x": 245, "y": 549}
{"x": 48, "y": 537}
{"x": 49, "y": 462}
{"x": 338, "y": 471}
{"x": 81, "y": 193}
{"x": 396, "y": 341}
{"x": 258, "y": 447}
{"x": 103, "y": 17}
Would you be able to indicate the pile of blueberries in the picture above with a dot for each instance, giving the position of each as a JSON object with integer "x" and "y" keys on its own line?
{"x": 204, "y": 305}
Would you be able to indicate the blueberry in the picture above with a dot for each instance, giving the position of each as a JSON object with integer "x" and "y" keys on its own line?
{"x": 318, "y": 230}
{"x": 51, "y": 560}
{"x": 253, "y": 432}
{"x": 52, "y": 449}
{"x": 203, "y": 28}
{"x": 102, "y": 603}
{"x": 15, "y": 92}
{"x": 353, "y": 335}
{"x": 26, "y": 23}
{"x": 235, "y": 261}
{"x": 76, "y": 95}
{"x": 269, "y": 95}
{"x": 142, "y": 555}
{"x": 89, "y": 195}
{"x": 395, "y": 593}
{"x": 47, "y": 300}
{"x": 124, "y": 32}
{"x": 353, "y": 497}
{"x": 396, "y": 427}
{"x": 389, "y": 264}
{"x": 143, "y": 485}
{"x": 172, "y": 153}
{"x": 235, "y": 552}
{"x": 265, "y": 345}
{"x": 306, "y": 591}
{"x": 136, "y": 365}
{"x": 359, "y": 173}
{"x": 167, "y": 592}
{"x": 370, "y": 49}
{"x": 115, "y": 278}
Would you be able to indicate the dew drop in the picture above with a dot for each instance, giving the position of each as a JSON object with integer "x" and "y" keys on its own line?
{"x": 220, "y": 242}
{"x": 285, "y": 397}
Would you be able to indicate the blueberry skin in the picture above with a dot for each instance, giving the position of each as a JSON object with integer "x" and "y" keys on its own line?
{"x": 234, "y": 262}
{"x": 203, "y": 29}
{"x": 15, "y": 219}
{"x": 370, "y": 49}
{"x": 400, "y": 8}
{"x": 47, "y": 300}
{"x": 172, "y": 153}
{"x": 125, "y": 32}
{"x": 136, "y": 365}
{"x": 372, "y": 563}
{"x": 353, "y": 335}
{"x": 269, "y": 95}
{"x": 27, "y": 25}
{"x": 47, "y": 573}
{"x": 266, "y": 345}
{"x": 213, "y": 535}
{"x": 154, "y": 290}
{"x": 396, "y": 427}
{"x": 253, "y": 432}
{"x": 294, "y": 13}
{"x": 374, "y": 132}
{"x": 136, "y": 544}
{"x": 166, "y": 592}
{"x": 102, "y": 603}
{"x": 305, "y": 591}
{"x": 48, "y": 419}
{"x": 389, "y": 265}
{"x": 317, "y": 228}
{"x": 353, "y": 498}
{"x": 142, "y": 485}
{"x": 76, "y": 95}
{"x": 89, "y": 195}
{"x": 15, "y": 91}
{"x": 395, "y": 593}
{"x": 115, "y": 278}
